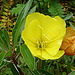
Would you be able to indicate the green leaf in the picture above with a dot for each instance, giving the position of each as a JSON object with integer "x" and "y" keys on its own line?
{"x": 3, "y": 41}
{"x": 8, "y": 71}
{"x": 55, "y": 8}
{"x": 27, "y": 56}
{"x": 73, "y": 57}
{"x": 2, "y": 65}
{"x": 13, "y": 69}
{"x": 35, "y": 72}
{"x": 41, "y": 3}
{"x": 44, "y": 72}
{"x": 18, "y": 31}
{"x": 7, "y": 37}
{"x": 2, "y": 47}
{"x": 68, "y": 16}
{"x": 72, "y": 73}
{"x": 21, "y": 60}
{"x": 8, "y": 53}
{"x": 32, "y": 10}
{"x": 16, "y": 10}
{"x": 63, "y": 73}
{"x": 2, "y": 55}
{"x": 19, "y": 21}
{"x": 71, "y": 25}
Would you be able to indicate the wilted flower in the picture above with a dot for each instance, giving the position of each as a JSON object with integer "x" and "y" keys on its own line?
{"x": 43, "y": 35}
{"x": 68, "y": 44}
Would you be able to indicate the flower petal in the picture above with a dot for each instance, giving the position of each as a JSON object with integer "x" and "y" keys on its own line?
{"x": 53, "y": 47}
{"x": 33, "y": 32}
{"x": 46, "y": 55}
{"x": 63, "y": 26}
{"x": 34, "y": 16}
{"x": 49, "y": 24}
{"x": 60, "y": 20}
{"x": 54, "y": 27}
{"x": 35, "y": 51}
{"x": 33, "y": 48}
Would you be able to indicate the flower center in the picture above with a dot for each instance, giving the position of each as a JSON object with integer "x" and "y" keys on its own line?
{"x": 41, "y": 45}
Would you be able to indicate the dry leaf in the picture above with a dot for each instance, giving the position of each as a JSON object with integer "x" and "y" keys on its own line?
{"x": 11, "y": 2}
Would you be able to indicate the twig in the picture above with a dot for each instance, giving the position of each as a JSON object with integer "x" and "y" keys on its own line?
{"x": 39, "y": 64}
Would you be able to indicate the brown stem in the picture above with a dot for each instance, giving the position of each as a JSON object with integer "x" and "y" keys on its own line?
{"x": 15, "y": 62}
{"x": 39, "y": 64}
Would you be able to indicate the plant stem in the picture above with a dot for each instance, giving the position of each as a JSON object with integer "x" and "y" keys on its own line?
{"x": 17, "y": 56}
{"x": 16, "y": 63}
{"x": 39, "y": 64}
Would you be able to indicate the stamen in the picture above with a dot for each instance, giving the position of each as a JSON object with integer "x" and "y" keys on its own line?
{"x": 41, "y": 45}
{"x": 46, "y": 37}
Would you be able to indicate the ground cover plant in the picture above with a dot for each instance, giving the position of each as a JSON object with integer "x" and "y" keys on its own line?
{"x": 37, "y": 37}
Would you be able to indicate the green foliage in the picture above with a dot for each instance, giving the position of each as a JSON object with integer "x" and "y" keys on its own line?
{"x": 2, "y": 55}
{"x": 44, "y": 72}
{"x": 4, "y": 40}
{"x": 56, "y": 9}
{"x": 72, "y": 25}
{"x": 35, "y": 72}
{"x": 68, "y": 16}
{"x": 20, "y": 23}
{"x": 16, "y": 10}
{"x": 4, "y": 45}
{"x": 72, "y": 73}
{"x": 27, "y": 56}
{"x": 13, "y": 69}
{"x": 7, "y": 37}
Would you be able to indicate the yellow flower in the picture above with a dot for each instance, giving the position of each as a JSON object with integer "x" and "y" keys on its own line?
{"x": 43, "y": 35}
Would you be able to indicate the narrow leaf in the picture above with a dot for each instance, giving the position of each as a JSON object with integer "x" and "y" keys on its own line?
{"x": 72, "y": 73}
{"x": 3, "y": 42}
{"x": 13, "y": 69}
{"x": 2, "y": 47}
{"x": 7, "y": 37}
{"x": 32, "y": 10}
{"x": 68, "y": 16}
{"x": 22, "y": 14}
{"x": 8, "y": 53}
{"x": 71, "y": 25}
{"x": 2, "y": 65}
{"x": 2, "y": 55}
{"x": 18, "y": 31}
{"x": 44, "y": 72}
{"x": 35, "y": 72}
{"x": 27, "y": 56}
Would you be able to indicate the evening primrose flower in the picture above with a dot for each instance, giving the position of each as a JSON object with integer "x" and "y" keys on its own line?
{"x": 43, "y": 35}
